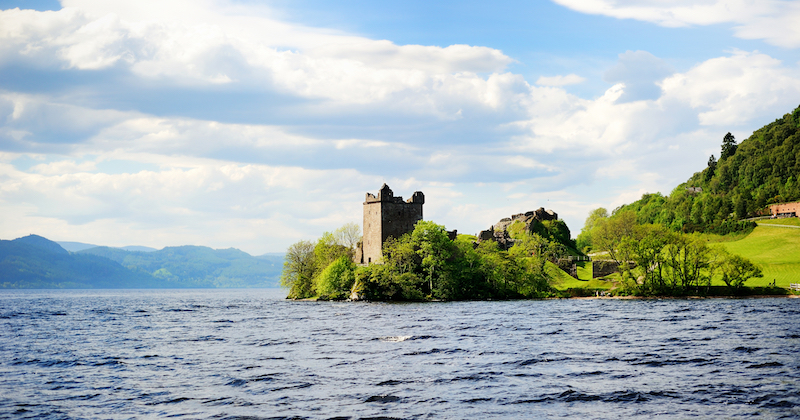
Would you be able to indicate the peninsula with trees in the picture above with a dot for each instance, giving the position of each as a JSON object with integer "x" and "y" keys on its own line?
{"x": 701, "y": 239}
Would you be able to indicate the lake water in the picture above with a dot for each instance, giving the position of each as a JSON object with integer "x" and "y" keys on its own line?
{"x": 249, "y": 354}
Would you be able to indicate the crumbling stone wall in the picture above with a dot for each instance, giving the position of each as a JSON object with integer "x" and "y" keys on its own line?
{"x": 602, "y": 268}
{"x": 569, "y": 266}
{"x": 499, "y": 231}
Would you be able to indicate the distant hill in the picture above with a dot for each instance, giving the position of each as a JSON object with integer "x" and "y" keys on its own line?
{"x": 36, "y": 262}
{"x": 138, "y": 248}
{"x": 41, "y": 243}
{"x": 199, "y": 266}
{"x": 80, "y": 246}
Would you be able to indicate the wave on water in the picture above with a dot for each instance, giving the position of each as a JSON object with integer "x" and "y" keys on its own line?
{"x": 244, "y": 354}
{"x": 396, "y": 339}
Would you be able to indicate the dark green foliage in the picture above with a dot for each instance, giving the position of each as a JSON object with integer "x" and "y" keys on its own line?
{"x": 736, "y": 270}
{"x": 554, "y": 231}
{"x": 34, "y": 262}
{"x": 728, "y": 147}
{"x": 426, "y": 264}
{"x": 667, "y": 263}
{"x": 711, "y": 170}
{"x": 299, "y": 265}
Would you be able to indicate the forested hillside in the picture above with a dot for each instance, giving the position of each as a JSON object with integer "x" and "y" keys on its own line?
{"x": 746, "y": 178}
{"x": 35, "y": 262}
{"x": 645, "y": 237}
{"x": 761, "y": 171}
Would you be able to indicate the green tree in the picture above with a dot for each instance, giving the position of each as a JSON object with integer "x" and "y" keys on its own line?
{"x": 736, "y": 270}
{"x": 298, "y": 270}
{"x": 348, "y": 235}
{"x": 499, "y": 269}
{"x": 644, "y": 246}
{"x": 327, "y": 250}
{"x": 336, "y": 280}
{"x": 689, "y": 264}
{"x": 382, "y": 282}
{"x": 434, "y": 248}
{"x": 728, "y": 147}
{"x": 609, "y": 233}
{"x": 711, "y": 169}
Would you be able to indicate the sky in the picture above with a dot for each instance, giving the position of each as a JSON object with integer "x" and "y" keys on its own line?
{"x": 257, "y": 124}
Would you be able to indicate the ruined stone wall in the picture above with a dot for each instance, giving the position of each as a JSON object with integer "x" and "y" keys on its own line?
{"x": 602, "y": 268}
{"x": 499, "y": 231}
{"x": 371, "y": 242}
{"x": 568, "y": 266}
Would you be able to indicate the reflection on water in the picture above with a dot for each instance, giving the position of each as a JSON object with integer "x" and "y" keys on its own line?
{"x": 239, "y": 353}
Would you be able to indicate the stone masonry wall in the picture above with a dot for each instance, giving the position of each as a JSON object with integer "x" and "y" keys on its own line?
{"x": 387, "y": 216}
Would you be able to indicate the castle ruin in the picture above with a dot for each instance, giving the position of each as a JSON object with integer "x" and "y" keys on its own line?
{"x": 499, "y": 231}
{"x": 386, "y": 216}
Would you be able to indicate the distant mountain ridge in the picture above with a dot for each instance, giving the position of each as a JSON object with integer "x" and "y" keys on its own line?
{"x": 36, "y": 262}
{"x": 80, "y": 246}
{"x": 199, "y": 266}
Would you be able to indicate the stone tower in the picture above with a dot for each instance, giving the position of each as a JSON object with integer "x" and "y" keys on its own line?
{"x": 387, "y": 216}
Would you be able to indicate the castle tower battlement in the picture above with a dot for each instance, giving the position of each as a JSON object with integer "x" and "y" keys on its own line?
{"x": 387, "y": 216}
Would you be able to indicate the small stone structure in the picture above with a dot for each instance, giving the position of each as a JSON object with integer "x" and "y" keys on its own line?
{"x": 602, "y": 268}
{"x": 386, "y": 216}
{"x": 568, "y": 266}
{"x": 785, "y": 210}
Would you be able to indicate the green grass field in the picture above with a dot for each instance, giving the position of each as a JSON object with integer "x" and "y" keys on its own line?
{"x": 789, "y": 221}
{"x": 776, "y": 249}
{"x": 563, "y": 281}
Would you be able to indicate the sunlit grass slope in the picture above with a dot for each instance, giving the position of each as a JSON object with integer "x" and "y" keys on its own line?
{"x": 563, "y": 281}
{"x": 776, "y": 249}
{"x": 789, "y": 221}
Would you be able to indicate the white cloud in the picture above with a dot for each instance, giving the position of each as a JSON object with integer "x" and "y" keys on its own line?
{"x": 570, "y": 79}
{"x": 219, "y": 44}
{"x": 198, "y": 202}
{"x": 30, "y": 119}
{"x": 743, "y": 86}
{"x": 63, "y": 167}
{"x": 775, "y": 21}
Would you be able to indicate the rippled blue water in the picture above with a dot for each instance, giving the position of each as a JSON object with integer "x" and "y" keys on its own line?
{"x": 251, "y": 354}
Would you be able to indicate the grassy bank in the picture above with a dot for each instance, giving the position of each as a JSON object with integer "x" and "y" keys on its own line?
{"x": 775, "y": 249}
{"x": 789, "y": 221}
